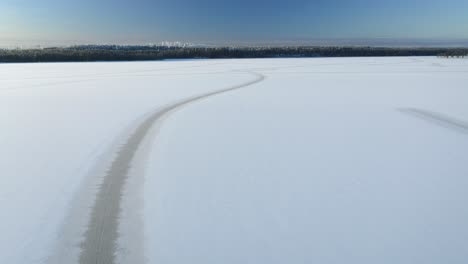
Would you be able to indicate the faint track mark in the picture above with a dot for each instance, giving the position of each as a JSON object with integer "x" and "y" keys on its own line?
{"x": 438, "y": 119}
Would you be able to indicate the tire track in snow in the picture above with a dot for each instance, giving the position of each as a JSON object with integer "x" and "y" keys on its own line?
{"x": 438, "y": 118}
{"x": 100, "y": 239}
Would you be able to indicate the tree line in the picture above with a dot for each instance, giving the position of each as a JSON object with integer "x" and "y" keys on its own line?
{"x": 134, "y": 53}
{"x": 454, "y": 53}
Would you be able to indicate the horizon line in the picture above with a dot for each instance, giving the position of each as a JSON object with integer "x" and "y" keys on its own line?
{"x": 371, "y": 42}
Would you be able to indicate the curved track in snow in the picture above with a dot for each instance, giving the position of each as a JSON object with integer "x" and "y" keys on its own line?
{"x": 99, "y": 244}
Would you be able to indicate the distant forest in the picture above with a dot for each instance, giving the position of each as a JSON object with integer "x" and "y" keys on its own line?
{"x": 134, "y": 53}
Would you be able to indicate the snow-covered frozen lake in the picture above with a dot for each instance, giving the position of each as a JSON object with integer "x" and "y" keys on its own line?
{"x": 323, "y": 160}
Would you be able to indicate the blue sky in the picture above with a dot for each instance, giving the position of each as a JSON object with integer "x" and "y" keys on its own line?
{"x": 145, "y": 21}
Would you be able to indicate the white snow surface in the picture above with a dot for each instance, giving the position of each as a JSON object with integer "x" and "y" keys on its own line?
{"x": 319, "y": 163}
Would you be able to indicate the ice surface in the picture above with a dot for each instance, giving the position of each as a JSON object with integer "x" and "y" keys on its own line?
{"x": 317, "y": 163}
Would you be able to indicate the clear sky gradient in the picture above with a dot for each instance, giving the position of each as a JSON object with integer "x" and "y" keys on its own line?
{"x": 217, "y": 21}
